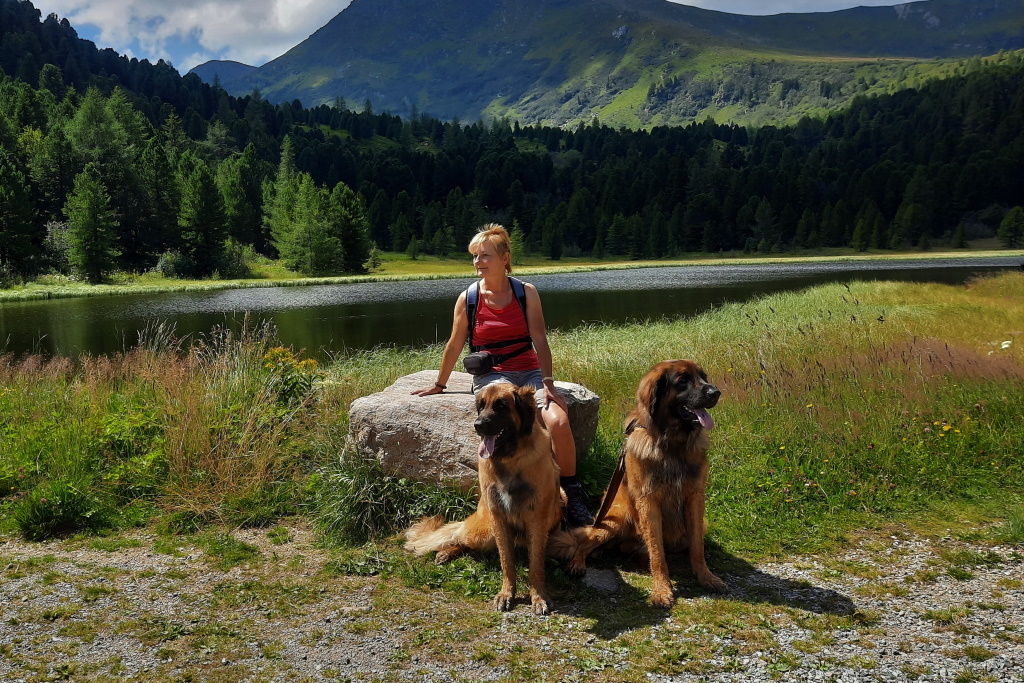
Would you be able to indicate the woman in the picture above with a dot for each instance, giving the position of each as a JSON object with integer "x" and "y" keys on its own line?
{"x": 500, "y": 317}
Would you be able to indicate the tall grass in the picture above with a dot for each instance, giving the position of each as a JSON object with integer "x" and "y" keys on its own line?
{"x": 843, "y": 405}
{"x": 217, "y": 432}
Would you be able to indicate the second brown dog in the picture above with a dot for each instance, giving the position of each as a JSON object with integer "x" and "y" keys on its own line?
{"x": 660, "y": 501}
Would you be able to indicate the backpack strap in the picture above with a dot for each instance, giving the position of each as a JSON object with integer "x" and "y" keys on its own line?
{"x": 519, "y": 289}
{"x": 472, "y": 297}
{"x": 472, "y": 302}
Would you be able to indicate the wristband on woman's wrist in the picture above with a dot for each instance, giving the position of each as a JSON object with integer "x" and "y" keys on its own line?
{"x": 440, "y": 386}
{"x": 548, "y": 379}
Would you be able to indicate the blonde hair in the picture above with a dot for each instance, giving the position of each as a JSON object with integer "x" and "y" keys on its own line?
{"x": 498, "y": 237}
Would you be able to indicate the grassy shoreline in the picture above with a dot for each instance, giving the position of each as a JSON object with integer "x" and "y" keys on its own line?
{"x": 400, "y": 268}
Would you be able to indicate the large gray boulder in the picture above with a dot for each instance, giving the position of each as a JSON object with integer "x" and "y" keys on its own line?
{"x": 431, "y": 438}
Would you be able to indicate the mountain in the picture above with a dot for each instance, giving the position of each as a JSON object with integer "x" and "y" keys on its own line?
{"x": 628, "y": 62}
{"x": 225, "y": 70}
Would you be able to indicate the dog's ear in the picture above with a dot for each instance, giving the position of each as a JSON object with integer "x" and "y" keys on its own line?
{"x": 526, "y": 406}
{"x": 658, "y": 394}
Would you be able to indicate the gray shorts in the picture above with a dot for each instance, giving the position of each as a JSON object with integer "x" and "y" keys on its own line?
{"x": 524, "y": 378}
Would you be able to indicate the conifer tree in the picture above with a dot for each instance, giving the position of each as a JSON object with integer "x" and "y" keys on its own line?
{"x": 51, "y": 169}
{"x": 616, "y": 243}
{"x": 308, "y": 246}
{"x": 861, "y": 234}
{"x": 444, "y": 241}
{"x": 16, "y": 216}
{"x": 201, "y": 217}
{"x": 93, "y": 238}
{"x": 960, "y": 236}
{"x": 1011, "y": 229}
{"x": 348, "y": 217}
{"x": 161, "y": 195}
{"x": 433, "y": 220}
{"x": 804, "y": 227}
{"x": 51, "y": 78}
{"x": 909, "y": 222}
{"x": 279, "y": 196}
{"x": 518, "y": 244}
{"x": 240, "y": 181}
{"x": 91, "y": 131}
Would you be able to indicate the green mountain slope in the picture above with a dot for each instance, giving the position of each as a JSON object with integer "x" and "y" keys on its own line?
{"x": 224, "y": 69}
{"x": 627, "y": 62}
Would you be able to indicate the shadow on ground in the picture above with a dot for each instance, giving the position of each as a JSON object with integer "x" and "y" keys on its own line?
{"x": 627, "y": 607}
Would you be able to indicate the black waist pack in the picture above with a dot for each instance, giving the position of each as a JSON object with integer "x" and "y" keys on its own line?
{"x": 482, "y": 362}
{"x": 478, "y": 363}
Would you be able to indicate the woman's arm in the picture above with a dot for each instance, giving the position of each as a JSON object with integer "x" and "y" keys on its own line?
{"x": 452, "y": 350}
{"x": 539, "y": 334}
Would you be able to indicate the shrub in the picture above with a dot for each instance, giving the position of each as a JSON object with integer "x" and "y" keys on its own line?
{"x": 261, "y": 506}
{"x": 59, "y": 507}
{"x": 236, "y": 262}
{"x": 354, "y": 501}
{"x": 174, "y": 264}
{"x": 293, "y": 378}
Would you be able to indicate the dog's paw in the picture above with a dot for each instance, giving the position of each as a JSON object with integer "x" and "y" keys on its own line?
{"x": 540, "y": 605}
{"x": 446, "y": 555}
{"x": 712, "y": 582}
{"x": 503, "y": 602}
{"x": 662, "y": 597}
{"x": 576, "y": 568}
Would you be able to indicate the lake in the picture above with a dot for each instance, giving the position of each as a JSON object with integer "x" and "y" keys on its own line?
{"x": 331, "y": 319}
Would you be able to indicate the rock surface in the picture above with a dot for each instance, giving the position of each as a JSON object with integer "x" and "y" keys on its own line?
{"x": 431, "y": 438}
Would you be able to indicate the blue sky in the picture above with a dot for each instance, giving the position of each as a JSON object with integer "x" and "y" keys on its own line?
{"x": 190, "y": 32}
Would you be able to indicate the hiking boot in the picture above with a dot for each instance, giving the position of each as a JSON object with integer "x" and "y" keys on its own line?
{"x": 575, "y": 513}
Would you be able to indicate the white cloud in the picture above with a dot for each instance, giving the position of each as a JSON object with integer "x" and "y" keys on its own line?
{"x": 188, "y": 32}
{"x": 780, "y": 6}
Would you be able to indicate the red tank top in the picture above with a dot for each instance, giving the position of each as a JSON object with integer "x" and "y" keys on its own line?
{"x": 496, "y": 325}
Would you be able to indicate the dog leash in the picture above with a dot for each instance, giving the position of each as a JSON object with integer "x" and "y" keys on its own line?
{"x": 617, "y": 475}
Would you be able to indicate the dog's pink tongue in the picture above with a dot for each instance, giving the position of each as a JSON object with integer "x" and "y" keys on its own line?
{"x": 486, "y": 446}
{"x": 705, "y": 419}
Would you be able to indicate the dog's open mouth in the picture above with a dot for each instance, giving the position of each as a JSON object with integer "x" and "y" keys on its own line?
{"x": 698, "y": 415}
{"x": 486, "y": 448}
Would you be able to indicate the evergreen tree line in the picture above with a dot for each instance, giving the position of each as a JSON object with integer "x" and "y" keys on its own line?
{"x": 178, "y": 174}
{"x": 89, "y": 186}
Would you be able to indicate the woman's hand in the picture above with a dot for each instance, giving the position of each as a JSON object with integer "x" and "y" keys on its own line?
{"x": 427, "y": 391}
{"x": 551, "y": 395}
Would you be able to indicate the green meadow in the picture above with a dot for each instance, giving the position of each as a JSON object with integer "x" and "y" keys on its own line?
{"x": 844, "y": 408}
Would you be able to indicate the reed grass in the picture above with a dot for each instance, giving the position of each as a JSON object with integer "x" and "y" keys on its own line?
{"x": 843, "y": 406}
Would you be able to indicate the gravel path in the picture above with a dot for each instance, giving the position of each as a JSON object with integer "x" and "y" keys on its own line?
{"x": 891, "y": 608}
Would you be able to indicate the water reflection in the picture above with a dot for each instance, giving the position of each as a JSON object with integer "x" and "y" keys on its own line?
{"x": 336, "y": 318}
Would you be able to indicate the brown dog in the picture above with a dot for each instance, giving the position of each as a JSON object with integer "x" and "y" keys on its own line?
{"x": 660, "y": 500}
{"x": 520, "y": 503}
